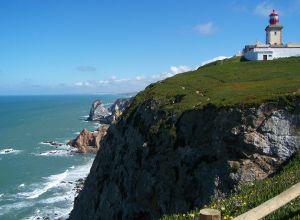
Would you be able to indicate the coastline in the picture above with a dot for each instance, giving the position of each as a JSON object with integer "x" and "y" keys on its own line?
{"x": 41, "y": 174}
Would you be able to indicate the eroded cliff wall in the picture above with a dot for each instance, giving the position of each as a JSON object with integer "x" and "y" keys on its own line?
{"x": 152, "y": 163}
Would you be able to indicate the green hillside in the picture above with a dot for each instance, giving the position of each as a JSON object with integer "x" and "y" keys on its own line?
{"x": 226, "y": 83}
{"x": 234, "y": 83}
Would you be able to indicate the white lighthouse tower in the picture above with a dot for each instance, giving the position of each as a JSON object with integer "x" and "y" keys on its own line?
{"x": 274, "y": 30}
{"x": 274, "y": 47}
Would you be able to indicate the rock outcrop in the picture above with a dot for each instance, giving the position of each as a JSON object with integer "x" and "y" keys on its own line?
{"x": 107, "y": 116}
{"x": 119, "y": 106}
{"x": 89, "y": 142}
{"x": 152, "y": 163}
{"x": 98, "y": 112}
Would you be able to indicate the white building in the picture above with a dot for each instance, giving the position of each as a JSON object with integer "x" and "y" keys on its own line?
{"x": 273, "y": 48}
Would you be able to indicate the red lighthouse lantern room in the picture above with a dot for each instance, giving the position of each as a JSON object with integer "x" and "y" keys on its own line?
{"x": 274, "y": 18}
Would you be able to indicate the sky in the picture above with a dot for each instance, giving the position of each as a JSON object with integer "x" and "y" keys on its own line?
{"x": 118, "y": 46}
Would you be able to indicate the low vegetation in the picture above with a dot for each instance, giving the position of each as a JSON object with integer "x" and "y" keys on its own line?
{"x": 226, "y": 83}
{"x": 230, "y": 83}
{"x": 249, "y": 196}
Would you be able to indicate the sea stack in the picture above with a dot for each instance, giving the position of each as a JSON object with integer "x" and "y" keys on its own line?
{"x": 98, "y": 112}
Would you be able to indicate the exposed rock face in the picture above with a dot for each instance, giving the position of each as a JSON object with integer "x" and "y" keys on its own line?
{"x": 143, "y": 170}
{"x": 107, "y": 116}
{"x": 98, "y": 112}
{"x": 89, "y": 142}
{"x": 119, "y": 106}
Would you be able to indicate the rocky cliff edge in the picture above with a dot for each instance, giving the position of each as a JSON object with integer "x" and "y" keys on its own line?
{"x": 153, "y": 163}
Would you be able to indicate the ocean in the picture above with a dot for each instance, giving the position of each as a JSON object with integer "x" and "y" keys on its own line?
{"x": 37, "y": 180}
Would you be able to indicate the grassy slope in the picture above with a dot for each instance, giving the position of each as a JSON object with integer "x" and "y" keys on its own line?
{"x": 226, "y": 83}
{"x": 250, "y": 196}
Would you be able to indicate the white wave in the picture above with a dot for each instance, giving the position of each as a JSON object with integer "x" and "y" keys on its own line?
{"x": 56, "y": 199}
{"x": 4, "y": 209}
{"x": 55, "y": 153}
{"x": 60, "y": 194}
{"x": 51, "y": 213}
{"x": 77, "y": 132}
{"x": 43, "y": 143}
{"x": 9, "y": 151}
{"x": 80, "y": 171}
{"x": 52, "y": 182}
{"x": 21, "y": 185}
{"x": 65, "y": 181}
{"x": 58, "y": 144}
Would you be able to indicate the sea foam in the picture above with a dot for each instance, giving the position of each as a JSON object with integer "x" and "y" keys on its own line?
{"x": 9, "y": 151}
{"x": 52, "y": 181}
{"x": 61, "y": 186}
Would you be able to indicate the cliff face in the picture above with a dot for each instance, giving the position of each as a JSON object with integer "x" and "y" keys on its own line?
{"x": 152, "y": 163}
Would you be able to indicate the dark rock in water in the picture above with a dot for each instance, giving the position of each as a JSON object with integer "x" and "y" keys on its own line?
{"x": 98, "y": 112}
{"x": 89, "y": 142}
{"x": 53, "y": 143}
{"x": 144, "y": 171}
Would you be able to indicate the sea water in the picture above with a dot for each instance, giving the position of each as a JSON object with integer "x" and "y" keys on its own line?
{"x": 37, "y": 180}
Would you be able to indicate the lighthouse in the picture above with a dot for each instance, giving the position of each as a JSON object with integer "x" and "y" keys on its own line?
{"x": 274, "y": 47}
{"x": 274, "y": 30}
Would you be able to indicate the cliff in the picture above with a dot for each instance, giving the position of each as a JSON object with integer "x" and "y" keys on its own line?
{"x": 90, "y": 142}
{"x": 193, "y": 137}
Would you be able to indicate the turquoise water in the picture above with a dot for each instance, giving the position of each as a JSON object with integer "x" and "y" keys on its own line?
{"x": 37, "y": 180}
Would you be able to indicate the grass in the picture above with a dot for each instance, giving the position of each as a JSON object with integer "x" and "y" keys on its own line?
{"x": 225, "y": 83}
{"x": 251, "y": 195}
{"x": 233, "y": 83}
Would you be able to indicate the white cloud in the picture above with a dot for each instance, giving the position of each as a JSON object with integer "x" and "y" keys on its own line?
{"x": 172, "y": 72}
{"x": 83, "y": 84}
{"x": 206, "y": 28}
{"x": 139, "y": 82}
{"x": 264, "y": 8}
{"x": 139, "y": 78}
{"x": 78, "y": 84}
{"x": 179, "y": 69}
{"x": 102, "y": 82}
{"x": 213, "y": 60}
{"x": 136, "y": 83}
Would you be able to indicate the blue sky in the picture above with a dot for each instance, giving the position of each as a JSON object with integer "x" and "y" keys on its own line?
{"x": 89, "y": 46}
